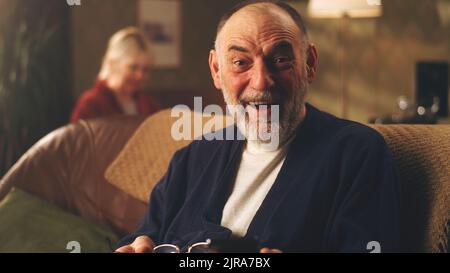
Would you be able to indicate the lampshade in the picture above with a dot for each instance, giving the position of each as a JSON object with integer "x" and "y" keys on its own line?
{"x": 341, "y": 8}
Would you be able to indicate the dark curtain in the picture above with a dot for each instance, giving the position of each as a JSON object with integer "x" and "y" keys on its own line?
{"x": 35, "y": 95}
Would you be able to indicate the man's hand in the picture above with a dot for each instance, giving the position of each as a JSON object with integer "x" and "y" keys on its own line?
{"x": 142, "y": 244}
{"x": 269, "y": 250}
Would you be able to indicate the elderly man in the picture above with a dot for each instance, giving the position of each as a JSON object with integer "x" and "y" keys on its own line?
{"x": 329, "y": 186}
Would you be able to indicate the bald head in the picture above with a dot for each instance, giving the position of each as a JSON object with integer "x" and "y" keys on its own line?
{"x": 255, "y": 8}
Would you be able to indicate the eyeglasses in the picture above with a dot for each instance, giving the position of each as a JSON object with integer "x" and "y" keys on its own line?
{"x": 201, "y": 247}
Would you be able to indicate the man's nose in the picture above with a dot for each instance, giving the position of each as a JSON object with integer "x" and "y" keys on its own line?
{"x": 262, "y": 78}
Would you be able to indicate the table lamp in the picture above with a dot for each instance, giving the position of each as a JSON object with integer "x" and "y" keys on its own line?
{"x": 344, "y": 10}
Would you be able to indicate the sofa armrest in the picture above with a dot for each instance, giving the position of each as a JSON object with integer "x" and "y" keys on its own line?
{"x": 67, "y": 167}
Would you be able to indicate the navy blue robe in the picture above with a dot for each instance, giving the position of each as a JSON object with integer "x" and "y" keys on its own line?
{"x": 338, "y": 190}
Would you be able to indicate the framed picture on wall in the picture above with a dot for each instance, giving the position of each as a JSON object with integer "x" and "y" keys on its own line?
{"x": 160, "y": 20}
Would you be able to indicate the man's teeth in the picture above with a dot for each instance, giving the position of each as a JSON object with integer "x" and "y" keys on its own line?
{"x": 257, "y": 103}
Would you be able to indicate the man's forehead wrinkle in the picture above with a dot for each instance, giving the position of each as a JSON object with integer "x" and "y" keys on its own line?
{"x": 262, "y": 44}
{"x": 239, "y": 41}
{"x": 271, "y": 36}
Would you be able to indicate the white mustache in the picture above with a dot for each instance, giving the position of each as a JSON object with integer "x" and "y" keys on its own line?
{"x": 258, "y": 97}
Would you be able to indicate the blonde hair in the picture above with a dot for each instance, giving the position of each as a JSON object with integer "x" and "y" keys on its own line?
{"x": 123, "y": 43}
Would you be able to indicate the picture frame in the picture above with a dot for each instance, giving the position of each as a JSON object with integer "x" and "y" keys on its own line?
{"x": 161, "y": 22}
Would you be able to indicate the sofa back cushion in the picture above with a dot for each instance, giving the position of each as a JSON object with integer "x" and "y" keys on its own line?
{"x": 146, "y": 156}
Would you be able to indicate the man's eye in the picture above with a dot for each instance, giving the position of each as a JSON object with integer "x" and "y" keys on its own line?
{"x": 281, "y": 60}
{"x": 239, "y": 62}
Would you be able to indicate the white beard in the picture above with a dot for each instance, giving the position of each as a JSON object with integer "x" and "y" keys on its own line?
{"x": 264, "y": 131}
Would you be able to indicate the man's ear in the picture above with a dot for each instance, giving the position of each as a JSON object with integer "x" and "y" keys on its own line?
{"x": 312, "y": 61}
{"x": 214, "y": 67}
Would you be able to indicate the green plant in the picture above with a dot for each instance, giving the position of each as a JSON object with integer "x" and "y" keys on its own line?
{"x": 34, "y": 93}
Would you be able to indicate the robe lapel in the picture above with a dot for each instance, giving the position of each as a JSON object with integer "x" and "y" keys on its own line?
{"x": 222, "y": 187}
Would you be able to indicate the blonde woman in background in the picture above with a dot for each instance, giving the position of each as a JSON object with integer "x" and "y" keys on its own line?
{"x": 119, "y": 86}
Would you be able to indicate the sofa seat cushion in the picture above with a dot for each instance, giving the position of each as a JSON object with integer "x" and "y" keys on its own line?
{"x": 31, "y": 224}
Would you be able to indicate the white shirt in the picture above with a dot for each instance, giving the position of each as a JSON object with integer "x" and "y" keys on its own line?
{"x": 129, "y": 107}
{"x": 256, "y": 174}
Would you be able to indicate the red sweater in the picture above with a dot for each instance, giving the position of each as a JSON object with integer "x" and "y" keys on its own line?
{"x": 100, "y": 101}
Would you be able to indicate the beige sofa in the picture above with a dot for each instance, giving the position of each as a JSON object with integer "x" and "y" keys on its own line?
{"x": 103, "y": 170}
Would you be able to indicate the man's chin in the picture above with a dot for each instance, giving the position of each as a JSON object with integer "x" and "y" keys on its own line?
{"x": 262, "y": 132}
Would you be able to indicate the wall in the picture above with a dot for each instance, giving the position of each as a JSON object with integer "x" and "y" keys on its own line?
{"x": 92, "y": 23}
{"x": 380, "y": 53}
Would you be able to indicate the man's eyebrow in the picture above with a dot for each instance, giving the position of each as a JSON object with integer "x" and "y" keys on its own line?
{"x": 280, "y": 46}
{"x": 237, "y": 48}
